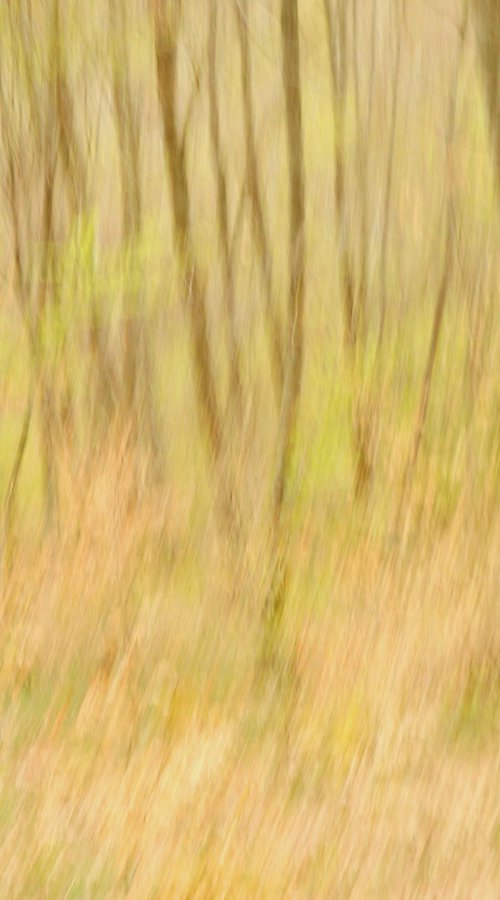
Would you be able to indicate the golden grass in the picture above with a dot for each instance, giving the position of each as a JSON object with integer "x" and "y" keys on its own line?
{"x": 140, "y": 756}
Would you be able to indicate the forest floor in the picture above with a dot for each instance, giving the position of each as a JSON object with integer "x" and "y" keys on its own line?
{"x": 141, "y": 755}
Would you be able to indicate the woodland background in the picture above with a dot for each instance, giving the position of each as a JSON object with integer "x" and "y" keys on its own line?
{"x": 249, "y": 448}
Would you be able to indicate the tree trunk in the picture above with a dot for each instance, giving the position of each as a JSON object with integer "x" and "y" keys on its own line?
{"x": 487, "y": 16}
{"x": 273, "y": 324}
{"x": 295, "y": 337}
{"x": 166, "y": 38}
{"x": 235, "y": 377}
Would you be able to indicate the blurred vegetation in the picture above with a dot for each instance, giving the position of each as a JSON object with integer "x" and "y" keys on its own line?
{"x": 249, "y": 398}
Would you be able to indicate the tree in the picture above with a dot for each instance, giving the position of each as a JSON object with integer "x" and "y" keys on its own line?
{"x": 290, "y": 62}
{"x": 487, "y": 17}
{"x": 137, "y": 368}
{"x": 353, "y": 287}
{"x": 253, "y": 187}
{"x": 166, "y": 20}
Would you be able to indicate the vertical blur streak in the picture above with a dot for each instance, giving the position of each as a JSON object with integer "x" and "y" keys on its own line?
{"x": 41, "y": 131}
{"x": 384, "y": 262}
{"x": 363, "y": 143}
{"x": 444, "y": 283}
{"x": 353, "y": 302}
{"x": 295, "y": 336}
{"x": 487, "y": 14}
{"x": 166, "y": 35}
{"x": 337, "y": 52}
{"x": 261, "y": 237}
{"x": 128, "y": 147}
{"x": 235, "y": 378}
{"x": 137, "y": 375}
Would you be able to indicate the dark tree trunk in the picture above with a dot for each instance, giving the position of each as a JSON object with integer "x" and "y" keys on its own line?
{"x": 487, "y": 17}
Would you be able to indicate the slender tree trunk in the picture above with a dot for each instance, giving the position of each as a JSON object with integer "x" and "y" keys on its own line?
{"x": 34, "y": 308}
{"x": 389, "y": 181}
{"x": 166, "y": 37}
{"x": 337, "y": 48}
{"x": 103, "y": 379}
{"x": 295, "y": 336}
{"x": 442, "y": 293}
{"x": 354, "y": 296}
{"x": 137, "y": 367}
{"x": 235, "y": 378}
{"x": 128, "y": 147}
{"x": 487, "y": 16}
{"x": 47, "y": 400}
{"x": 364, "y": 122}
{"x": 273, "y": 325}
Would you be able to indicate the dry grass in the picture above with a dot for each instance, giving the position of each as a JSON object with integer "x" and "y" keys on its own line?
{"x": 139, "y": 756}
